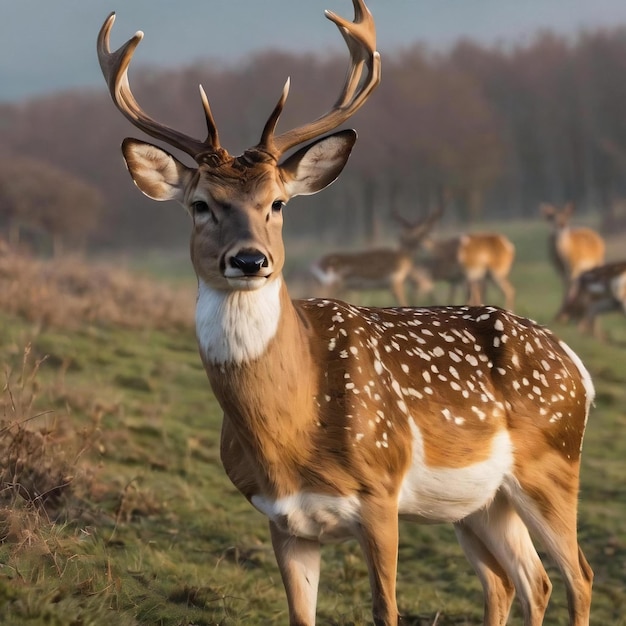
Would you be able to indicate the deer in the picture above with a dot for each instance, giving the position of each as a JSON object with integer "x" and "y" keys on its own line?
{"x": 376, "y": 268}
{"x": 594, "y": 292}
{"x": 469, "y": 258}
{"x": 338, "y": 420}
{"x": 572, "y": 250}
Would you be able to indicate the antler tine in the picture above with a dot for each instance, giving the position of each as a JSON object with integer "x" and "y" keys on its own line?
{"x": 437, "y": 213}
{"x": 115, "y": 65}
{"x": 403, "y": 221}
{"x": 212, "y": 139}
{"x": 420, "y": 228}
{"x": 270, "y": 125}
{"x": 360, "y": 37}
{"x": 427, "y": 224}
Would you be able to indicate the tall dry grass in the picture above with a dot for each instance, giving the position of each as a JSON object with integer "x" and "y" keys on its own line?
{"x": 71, "y": 292}
{"x": 41, "y": 477}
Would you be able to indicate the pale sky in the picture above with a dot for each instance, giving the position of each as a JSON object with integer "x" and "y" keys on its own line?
{"x": 48, "y": 45}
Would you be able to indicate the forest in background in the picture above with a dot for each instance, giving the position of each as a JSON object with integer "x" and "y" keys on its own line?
{"x": 499, "y": 129}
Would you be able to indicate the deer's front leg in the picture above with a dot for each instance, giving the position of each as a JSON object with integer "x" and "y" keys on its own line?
{"x": 378, "y": 536}
{"x": 299, "y": 563}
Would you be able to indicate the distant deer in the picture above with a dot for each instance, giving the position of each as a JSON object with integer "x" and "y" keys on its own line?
{"x": 339, "y": 419}
{"x": 596, "y": 291}
{"x": 469, "y": 258}
{"x": 572, "y": 250}
{"x": 377, "y": 268}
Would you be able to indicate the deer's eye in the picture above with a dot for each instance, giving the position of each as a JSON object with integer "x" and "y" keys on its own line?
{"x": 200, "y": 206}
{"x": 277, "y": 205}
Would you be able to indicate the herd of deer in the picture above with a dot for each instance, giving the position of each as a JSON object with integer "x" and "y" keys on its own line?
{"x": 590, "y": 286}
{"x": 468, "y": 259}
{"x": 339, "y": 419}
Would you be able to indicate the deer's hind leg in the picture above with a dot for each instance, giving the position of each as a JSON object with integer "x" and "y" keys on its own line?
{"x": 551, "y": 514}
{"x": 498, "y": 545}
{"x": 498, "y": 589}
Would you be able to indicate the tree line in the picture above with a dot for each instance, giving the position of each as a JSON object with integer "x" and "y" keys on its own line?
{"x": 498, "y": 129}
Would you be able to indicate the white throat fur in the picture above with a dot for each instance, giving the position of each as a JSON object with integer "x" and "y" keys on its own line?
{"x": 236, "y": 326}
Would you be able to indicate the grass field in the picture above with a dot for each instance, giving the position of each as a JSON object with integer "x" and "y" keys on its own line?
{"x": 114, "y": 508}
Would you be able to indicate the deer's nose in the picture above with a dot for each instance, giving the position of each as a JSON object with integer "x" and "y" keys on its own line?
{"x": 249, "y": 261}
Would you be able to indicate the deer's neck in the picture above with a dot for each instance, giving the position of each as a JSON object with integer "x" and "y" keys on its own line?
{"x": 562, "y": 233}
{"x": 256, "y": 351}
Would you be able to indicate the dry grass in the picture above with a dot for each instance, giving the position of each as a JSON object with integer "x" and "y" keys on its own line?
{"x": 40, "y": 471}
{"x": 70, "y": 293}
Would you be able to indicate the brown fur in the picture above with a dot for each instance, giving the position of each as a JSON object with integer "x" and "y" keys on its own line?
{"x": 572, "y": 250}
{"x": 472, "y": 258}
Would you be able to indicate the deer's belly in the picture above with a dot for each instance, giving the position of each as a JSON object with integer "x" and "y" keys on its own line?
{"x": 442, "y": 494}
{"x": 312, "y": 516}
{"x": 427, "y": 494}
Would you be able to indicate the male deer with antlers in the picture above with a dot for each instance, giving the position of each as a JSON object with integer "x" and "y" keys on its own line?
{"x": 377, "y": 268}
{"x": 338, "y": 419}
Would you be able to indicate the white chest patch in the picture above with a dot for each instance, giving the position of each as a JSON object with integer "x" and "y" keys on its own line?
{"x": 447, "y": 495}
{"x": 236, "y": 326}
{"x": 313, "y": 516}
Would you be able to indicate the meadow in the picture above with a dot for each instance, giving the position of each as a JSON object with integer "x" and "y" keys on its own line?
{"x": 114, "y": 507}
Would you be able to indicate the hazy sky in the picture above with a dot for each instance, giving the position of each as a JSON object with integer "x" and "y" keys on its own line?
{"x": 46, "y": 45}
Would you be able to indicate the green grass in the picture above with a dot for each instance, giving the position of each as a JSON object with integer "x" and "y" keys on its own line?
{"x": 154, "y": 533}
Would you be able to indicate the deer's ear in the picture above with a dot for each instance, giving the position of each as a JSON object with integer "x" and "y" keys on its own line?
{"x": 547, "y": 210}
{"x": 317, "y": 165}
{"x": 156, "y": 172}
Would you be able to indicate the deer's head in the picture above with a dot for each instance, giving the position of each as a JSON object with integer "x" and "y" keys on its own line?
{"x": 236, "y": 202}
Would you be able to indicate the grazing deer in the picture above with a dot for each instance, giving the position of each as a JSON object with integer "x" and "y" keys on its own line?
{"x": 599, "y": 290}
{"x": 339, "y": 419}
{"x": 378, "y": 268}
{"x": 572, "y": 250}
{"x": 470, "y": 258}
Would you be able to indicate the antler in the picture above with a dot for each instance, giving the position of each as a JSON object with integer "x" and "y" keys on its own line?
{"x": 114, "y": 66}
{"x": 360, "y": 37}
{"x": 402, "y": 220}
{"x": 421, "y": 225}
